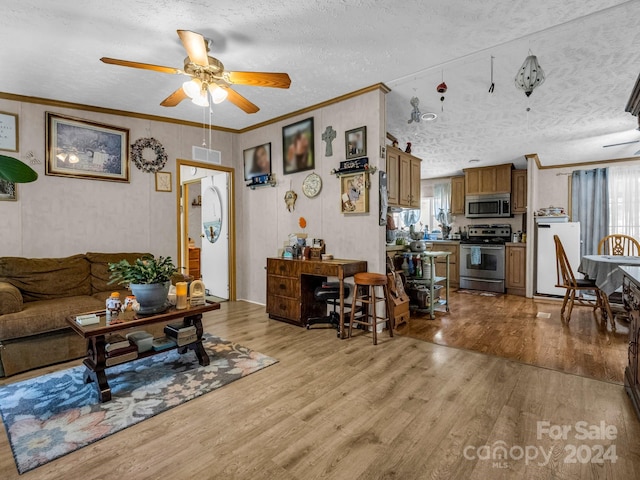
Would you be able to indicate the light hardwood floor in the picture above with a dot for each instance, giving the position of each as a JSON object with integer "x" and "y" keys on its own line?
{"x": 508, "y": 326}
{"x": 345, "y": 409}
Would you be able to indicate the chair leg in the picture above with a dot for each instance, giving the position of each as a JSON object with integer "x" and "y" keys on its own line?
{"x": 607, "y": 309}
{"x": 374, "y": 319}
{"x": 353, "y": 309}
{"x": 564, "y": 303}
{"x": 572, "y": 298}
{"x": 387, "y": 308}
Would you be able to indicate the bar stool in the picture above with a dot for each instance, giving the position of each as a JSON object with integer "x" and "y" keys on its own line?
{"x": 365, "y": 293}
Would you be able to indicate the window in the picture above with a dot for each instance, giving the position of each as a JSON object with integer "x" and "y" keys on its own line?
{"x": 624, "y": 200}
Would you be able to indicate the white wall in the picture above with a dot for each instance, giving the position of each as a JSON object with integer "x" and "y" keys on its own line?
{"x": 59, "y": 216}
{"x": 263, "y": 220}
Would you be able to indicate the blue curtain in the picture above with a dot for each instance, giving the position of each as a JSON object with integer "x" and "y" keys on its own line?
{"x": 590, "y": 207}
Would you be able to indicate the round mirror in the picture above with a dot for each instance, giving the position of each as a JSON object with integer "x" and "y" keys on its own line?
{"x": 212, "y": 214}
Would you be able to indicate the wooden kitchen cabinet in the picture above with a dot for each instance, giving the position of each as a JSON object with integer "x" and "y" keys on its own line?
{"x": 519, "y": 191}
{"x": 488, "y": 180}
{"x": 403, "y": 177}
{"x": 457, "y": 195}
{"x": 516, "y": 268}
{"x": 441, "y": 262}
{"x": 393, "y": 175}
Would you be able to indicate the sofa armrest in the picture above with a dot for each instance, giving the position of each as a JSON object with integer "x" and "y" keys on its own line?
{"x": 10, "y": 299}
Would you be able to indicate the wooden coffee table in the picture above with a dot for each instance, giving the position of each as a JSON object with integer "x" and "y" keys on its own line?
{"x": 95, "y": 335}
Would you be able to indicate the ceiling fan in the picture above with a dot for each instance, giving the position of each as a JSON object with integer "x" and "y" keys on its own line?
{"x": 208, "y": 76}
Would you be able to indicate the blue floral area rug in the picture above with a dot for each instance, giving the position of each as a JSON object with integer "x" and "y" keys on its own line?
{"x": 49, "y": 416}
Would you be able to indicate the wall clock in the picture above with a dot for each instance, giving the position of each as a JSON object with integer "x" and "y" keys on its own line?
{"x": 312, "y": 185}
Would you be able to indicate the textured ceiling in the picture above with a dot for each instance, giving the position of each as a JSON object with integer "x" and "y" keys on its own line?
{"x": 589, "y": 49}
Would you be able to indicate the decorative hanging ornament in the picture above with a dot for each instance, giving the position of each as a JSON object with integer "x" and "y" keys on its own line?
{"x": 530, "y": 75}
{"x": 415, "y": 113}
{"x": 442, "y": 88}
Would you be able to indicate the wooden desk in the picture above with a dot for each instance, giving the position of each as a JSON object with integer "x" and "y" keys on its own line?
{"x": 291, "y": 285}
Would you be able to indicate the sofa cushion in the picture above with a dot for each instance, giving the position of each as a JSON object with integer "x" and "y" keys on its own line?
{"x": 46, "y": 278}
{"x": 10, "y": 298}
{"x": 45, "y": 316}
{"x": 100, "y": 275}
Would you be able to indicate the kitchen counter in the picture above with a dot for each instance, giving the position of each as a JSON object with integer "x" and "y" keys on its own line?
{"x": 406, "y": 248}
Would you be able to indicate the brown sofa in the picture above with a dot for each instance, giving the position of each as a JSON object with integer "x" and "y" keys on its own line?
{"x": 36, "y": 294}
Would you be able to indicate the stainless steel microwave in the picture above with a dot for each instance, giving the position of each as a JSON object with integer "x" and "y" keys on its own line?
{"x": 488, "y": 206}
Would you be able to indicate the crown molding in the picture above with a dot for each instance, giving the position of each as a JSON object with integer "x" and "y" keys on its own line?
{"x": 156, "y": 118}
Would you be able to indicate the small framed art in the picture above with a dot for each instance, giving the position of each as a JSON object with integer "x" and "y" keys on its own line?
{"x": 297, "y": 146}
{"x": 354, "y": 193}
{"x": 9, "y": 132}
{"x": 356, "y": 143}
{"x": 257, "y": 161}
{"x": 8, "y": 190}
{"x": 163, "y": 182}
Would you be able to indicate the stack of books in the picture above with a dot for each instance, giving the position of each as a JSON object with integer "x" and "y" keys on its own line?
{"x": 181, "y": 334}
{"x": 119, "y": 350}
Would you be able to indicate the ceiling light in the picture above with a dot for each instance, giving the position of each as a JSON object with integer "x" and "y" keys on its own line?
{"x": 218, "y": 94}
{"x": 530, "y": 75}
{"x": 192, "y": 87}
{"x": 201, "y": 100}
{"x": 429, "y": 116}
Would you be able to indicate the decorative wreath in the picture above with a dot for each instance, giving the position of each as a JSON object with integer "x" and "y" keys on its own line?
{"x": 148, "y": 165}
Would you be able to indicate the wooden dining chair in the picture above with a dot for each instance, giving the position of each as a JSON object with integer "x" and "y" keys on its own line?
{"x": 566, "y": 279}
{"x": 618, "y": 244}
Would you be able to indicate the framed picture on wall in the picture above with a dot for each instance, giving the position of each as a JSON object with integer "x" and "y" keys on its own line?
{"x": 257, "y": 161}
{"x": 82, "y": 149}
{"x": 9, "y": 132}
{"x": 8, "y": 190}
{"x": 354, "y": 193}
{"x": 356, "y": 143}
{"x": 297, "y": 147}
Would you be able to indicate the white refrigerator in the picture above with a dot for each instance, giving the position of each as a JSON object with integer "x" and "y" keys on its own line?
{"x": 546, "y": 276}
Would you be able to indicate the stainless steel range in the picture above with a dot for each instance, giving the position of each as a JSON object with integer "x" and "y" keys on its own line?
{"x": 482, "y": 257}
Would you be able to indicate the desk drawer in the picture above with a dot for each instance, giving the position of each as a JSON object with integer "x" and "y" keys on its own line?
{"x": 322, "y": 269}
{"x": 285, "y": 286}
{"x": 283, "y": 307}
{"x": 287, "y": 268}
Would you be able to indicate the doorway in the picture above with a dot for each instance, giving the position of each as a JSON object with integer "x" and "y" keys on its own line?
{"x": 206, "y": 226}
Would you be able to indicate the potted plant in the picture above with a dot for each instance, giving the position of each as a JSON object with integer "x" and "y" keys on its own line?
{"x": 149, "y": 279}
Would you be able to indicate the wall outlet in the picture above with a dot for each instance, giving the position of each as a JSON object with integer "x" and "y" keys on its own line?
{"x": 383, "y": 151}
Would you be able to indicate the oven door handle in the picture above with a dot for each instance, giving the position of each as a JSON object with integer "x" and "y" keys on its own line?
{"x": 484, "y": 247}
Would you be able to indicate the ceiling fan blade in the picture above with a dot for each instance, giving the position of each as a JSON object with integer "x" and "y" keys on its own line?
{"x": 175, "y": 98}
{"x": 260, "y": 79}
{"x": 241, "y": 102}
{"x": 144, "y": 66}
{"x": 195, "y": 45}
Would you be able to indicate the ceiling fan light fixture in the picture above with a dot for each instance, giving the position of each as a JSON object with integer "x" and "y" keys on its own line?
{"x": 218, "y": 94}
{"x": 192, "y": 88}
{"x": 201, "y": 100}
